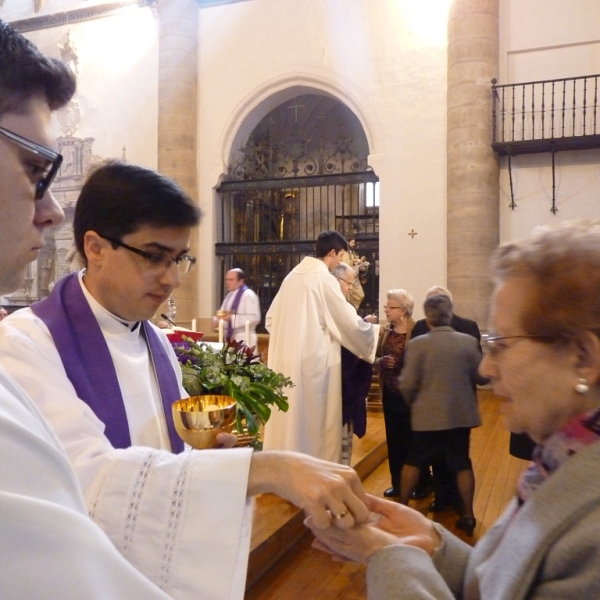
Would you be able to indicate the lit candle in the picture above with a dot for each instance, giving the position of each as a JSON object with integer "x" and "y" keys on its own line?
{"x": 220, "y": 331}
{"x": 194, "y": 325}
{"x": 247, "y": 333}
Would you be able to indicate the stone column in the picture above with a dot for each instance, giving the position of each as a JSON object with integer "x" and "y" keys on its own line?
{"x": 472, "y": 167}
{"x": 178, "y": 118}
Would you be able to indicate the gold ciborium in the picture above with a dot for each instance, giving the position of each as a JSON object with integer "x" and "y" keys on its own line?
{"x": 199, "y": 419}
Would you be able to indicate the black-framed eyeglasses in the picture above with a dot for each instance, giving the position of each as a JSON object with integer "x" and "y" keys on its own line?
{"x": 48, "y": 171}
{"x": 494, "y": 344}
{"x": 391, "y": 307}
{"x": 158, "y": 260}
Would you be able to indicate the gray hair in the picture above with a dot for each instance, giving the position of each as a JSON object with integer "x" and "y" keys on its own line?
{"x": 403, "y": 298}
{"x": 438, "y": 310}
{"x": 342, "y": 270}
{"x": 438, "y": 290}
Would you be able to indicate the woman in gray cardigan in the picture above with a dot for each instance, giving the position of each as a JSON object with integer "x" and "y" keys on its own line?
{"x": 544, "y": 360}
{"x": 438, "y": 382}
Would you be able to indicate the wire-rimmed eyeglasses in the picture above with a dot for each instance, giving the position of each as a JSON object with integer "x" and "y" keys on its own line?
{"x": 494, "y": 344}
{"x": 158, "y": 260}
{"x": 346, "y": 282}
{"x": 50, "y": 168}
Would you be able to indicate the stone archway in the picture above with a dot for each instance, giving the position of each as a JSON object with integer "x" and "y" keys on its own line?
{"x": 299, "y": 169}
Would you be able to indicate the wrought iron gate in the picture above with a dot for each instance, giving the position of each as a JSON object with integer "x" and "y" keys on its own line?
{"x": 267, "y": 226}
{"x": 301, "y": 171}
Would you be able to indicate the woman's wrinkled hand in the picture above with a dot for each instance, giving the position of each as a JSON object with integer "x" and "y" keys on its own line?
{"x": 390, "y": 524}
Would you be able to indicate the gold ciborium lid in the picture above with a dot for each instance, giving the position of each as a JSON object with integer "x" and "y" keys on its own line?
{"x": 199, "y": 419}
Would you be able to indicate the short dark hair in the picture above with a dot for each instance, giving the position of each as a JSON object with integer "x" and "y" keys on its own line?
{"x": 438, "y": 310}
{"x": 25, "y": 73}
{"x": 328, "y": 241}
{"x": 118, "y": 198}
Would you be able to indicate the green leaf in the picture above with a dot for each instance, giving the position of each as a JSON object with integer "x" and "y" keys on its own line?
{"x": 232, "y": 372}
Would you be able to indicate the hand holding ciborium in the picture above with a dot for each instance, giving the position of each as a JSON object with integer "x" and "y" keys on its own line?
{"x": 199, "y": 419}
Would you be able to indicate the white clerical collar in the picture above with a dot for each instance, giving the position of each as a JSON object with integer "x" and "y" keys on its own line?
{"x": 107, "y": 320}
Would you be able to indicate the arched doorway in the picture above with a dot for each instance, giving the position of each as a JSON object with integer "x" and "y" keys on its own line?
{"x": 302, "y": 170}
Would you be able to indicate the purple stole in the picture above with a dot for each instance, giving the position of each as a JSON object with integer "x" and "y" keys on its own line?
{"x": 233, "y": 310}
{"x": 89, "y": 366}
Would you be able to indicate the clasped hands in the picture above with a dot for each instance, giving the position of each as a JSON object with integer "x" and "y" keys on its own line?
{"x": 389, "y": 524}
{"x": 346, "y": 521}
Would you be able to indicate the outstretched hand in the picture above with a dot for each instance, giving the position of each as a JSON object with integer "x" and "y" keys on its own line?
{"x": 393, "y": 524}
{"x": 331, "y": 494}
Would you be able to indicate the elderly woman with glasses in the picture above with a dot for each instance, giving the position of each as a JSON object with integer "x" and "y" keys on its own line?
{"x": 390, "y": 358}
{"x": 544, "y": 360}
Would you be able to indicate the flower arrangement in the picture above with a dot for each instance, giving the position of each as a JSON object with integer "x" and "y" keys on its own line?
{"x": 236, "y": 371}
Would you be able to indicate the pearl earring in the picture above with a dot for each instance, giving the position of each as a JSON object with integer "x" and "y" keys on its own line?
{"x": 582, "y": 386}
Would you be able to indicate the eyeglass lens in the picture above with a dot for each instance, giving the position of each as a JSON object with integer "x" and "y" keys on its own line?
{"x": 54, "y": 160}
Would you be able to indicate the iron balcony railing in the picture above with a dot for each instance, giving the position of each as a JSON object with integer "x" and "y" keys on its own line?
{"x": 546, "y": 116}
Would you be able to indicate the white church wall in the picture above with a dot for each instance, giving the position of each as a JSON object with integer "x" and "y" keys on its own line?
{"x": 117, "y": 88}
{"x": 116, "y": 65}
{"x": 384, "y": 59}
{"x": 387, "y": 61}
{"x": 548, "y": 39}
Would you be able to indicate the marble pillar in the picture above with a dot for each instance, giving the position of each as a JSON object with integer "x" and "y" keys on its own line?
{"x": 472, "y": 166}
{"x": 178, "y": 119}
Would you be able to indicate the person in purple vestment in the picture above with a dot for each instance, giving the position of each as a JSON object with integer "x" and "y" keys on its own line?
{"x": 104, "y": 378}
{"x": 240, "y": 309}
{"x": 50, "y": 547}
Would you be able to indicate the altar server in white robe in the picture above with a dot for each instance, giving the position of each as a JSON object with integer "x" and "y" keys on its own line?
{"x": 240, "y": 309}
{"x": 104, "y": 378}
{"x": 49, "y": 548}
{"x": 308, "y": 322}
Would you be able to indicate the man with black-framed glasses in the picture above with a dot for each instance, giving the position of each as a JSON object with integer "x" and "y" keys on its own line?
{"x": 132, "y": 228}
{"x": 49, "y": 160}
{"x": 105, "y": 378}
{"x": 50, "y": 547}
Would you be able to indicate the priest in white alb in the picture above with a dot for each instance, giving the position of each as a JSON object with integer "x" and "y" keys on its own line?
{"x": 105, "y": 378}
{"x": 49, "y": 548}
{"x": 308, "y": 322}
{"x": 240, "y": 309}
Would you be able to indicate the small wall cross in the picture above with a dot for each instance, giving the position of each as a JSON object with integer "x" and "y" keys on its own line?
{"x": 412, "y": 233}
{"x": 295, "y": 108}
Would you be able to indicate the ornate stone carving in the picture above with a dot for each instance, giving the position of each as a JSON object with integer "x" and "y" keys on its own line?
{"x": 69, "y": 117}
{"x": 68, "y": 54}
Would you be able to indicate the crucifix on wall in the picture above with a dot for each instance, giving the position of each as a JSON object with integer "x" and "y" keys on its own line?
{"x": 295, "y": 107}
